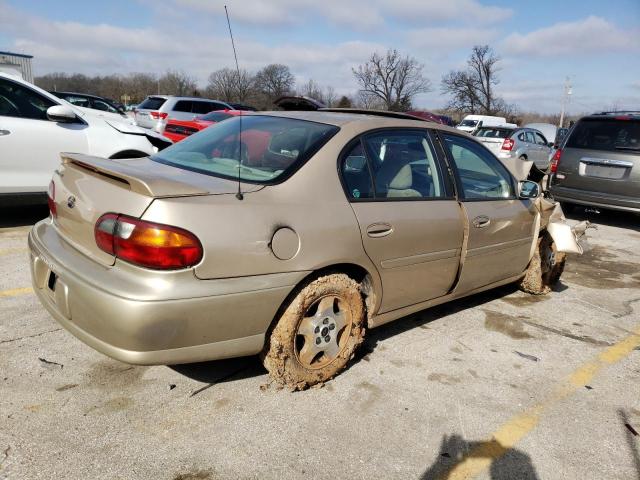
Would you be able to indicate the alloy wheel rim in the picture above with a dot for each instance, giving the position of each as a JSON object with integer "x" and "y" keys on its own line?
{"x": 323, "y": 332}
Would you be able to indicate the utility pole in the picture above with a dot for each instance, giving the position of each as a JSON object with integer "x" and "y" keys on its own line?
{"x": 566, "y": 97}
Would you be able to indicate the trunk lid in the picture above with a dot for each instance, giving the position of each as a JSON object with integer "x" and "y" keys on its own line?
{"x": 493, "y": 144}
{"x": 88, "y": 187}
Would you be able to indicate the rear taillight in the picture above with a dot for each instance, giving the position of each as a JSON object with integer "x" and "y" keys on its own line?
{"x": 508, "y": 144}
{"x": 159, "y": 115}
{"x": 555, "y": 161}
{"x": 147, "y": 244}
{"x": 51, "y": 199}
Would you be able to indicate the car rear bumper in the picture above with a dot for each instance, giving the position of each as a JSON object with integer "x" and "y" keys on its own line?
{"x": 595, "y": 199}
{"x": 218, "y": 319}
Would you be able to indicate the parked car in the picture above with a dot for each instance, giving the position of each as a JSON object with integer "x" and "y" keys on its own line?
{"x": 428, "y": 116}
{"x": 519, "y": 143}
{"x": 90, "y": 101}
{"x": 471, "y": 122}
{"x": 36, "y": 126}
{"x": 177, "y": 130}
{"x": 598, "y": 164}
{"x": 286, "y": 233}
{"x": 156, "y": 110}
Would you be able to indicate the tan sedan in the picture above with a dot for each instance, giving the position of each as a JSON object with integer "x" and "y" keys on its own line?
{"x": 286, "y": 233}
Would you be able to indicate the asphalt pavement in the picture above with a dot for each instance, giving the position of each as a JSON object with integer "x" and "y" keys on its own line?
{"x": 500, "y": 385}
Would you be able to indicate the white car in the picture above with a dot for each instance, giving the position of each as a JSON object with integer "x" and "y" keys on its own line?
{"x": 36, "y": 126}
{"x": 471, "y": 122}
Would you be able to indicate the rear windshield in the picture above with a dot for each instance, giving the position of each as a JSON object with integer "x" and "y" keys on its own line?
{"x": 493, "y": 132}
{"x": 606, "y": 134}
{"x": 266, "y": 148}
{"x": 152, "y": 103}
{"x": 215, "y": 117}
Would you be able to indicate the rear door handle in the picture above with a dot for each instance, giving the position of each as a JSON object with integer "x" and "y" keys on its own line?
{"x": 481, "y": 221}
{"x": 377, "y": 230}
{"x": 4, "y": 133}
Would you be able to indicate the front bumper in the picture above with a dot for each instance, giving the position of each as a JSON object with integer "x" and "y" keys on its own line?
{"x": 152, "y": 318}
{"x": 595, "y": 199}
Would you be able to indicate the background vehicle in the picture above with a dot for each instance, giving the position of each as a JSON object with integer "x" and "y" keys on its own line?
{"x": 598, "y": 164}
{"x": 471, "y": 122}
{"x": 548, "y": 130}
{"x": 177, "y": 130}
{"x": 268, "y": 233}
{"x": 428, "y": 116}
{"x": 156, "y": 110}
{"x": 36, "y": 126}
{"x": 520, "y": 143}
{"x": 91, "y": 101}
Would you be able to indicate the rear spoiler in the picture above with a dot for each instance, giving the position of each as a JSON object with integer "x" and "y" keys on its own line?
{"x": 138, "y": 180}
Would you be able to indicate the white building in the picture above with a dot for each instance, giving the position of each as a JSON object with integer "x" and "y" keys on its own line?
{"x": 17, "y": 64}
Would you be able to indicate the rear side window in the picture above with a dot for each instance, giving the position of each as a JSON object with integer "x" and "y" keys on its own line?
{"x": 152, "y": 103}
{"x": 183, "y": 106}
{"x": 355, "y": 173}
{"x": 606, "y": 134}
{"x": 206, "y": 107}
{"x": 266, "y": 148}
{"x": 481, "y": 175}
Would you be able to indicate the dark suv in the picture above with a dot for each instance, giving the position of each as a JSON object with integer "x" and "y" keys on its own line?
{"x": 598, "y": 163}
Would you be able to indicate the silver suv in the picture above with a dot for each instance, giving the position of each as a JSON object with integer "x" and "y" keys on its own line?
{"x": 156, "y": 110}
{"x": 521, "y": 143}
{"x": 599, "y": 163}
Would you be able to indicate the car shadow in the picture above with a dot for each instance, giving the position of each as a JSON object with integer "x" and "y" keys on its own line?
{"x": 20, "y": 216}
{"x": 505, "y": 463}
{"x": 610, "y": 218}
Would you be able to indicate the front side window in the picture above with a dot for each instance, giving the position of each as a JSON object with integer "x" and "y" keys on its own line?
{"x": 540, "y": 140}
{"x": 104, "y": 106}
{"x": 204, "y": 107}
{"x": 19, "y": 101}
{"x": 265, "y": 149}
{"x": 482, "y": 176}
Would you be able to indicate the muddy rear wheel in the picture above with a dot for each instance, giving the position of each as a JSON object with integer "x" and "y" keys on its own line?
{"x": 317, "y": 334}
{"x": 545, "y": 268}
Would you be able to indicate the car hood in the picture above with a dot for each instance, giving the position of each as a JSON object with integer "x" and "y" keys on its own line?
{"x": 106, "y": 116}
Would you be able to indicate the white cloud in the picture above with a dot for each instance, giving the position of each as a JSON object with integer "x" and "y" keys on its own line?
{"x": 358, "y": 14}
{"x": 582, "y": 37}
{"x": 441, "y": 38}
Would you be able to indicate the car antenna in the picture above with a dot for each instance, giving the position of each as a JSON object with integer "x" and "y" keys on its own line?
{"x": 239, "y": 195}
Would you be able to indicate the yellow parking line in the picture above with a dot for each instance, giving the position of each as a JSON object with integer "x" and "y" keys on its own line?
{"x": 480, "y": 458}
{"x": 16, "y": 292}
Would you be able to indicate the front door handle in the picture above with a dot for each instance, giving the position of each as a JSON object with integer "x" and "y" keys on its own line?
{"x": 481, "y": 221}
{"x": 4, "y": 133}
{"x": 377, "y": 230}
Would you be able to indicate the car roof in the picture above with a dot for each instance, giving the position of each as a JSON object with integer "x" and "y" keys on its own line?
{"x": 372, "y": 119}
{"x": 179, "y": 97}
{"x": 88, "y": 95}
{"x": 626, "y": 114}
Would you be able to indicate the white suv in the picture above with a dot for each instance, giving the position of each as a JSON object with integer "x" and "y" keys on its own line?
{"x": 156, "y": 110}
{"x": 36, "y": 126}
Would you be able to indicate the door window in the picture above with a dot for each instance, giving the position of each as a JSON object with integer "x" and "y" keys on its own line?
{"x": 356, "y": 174}
{"x": 530, "y": 138}
{"x": 482, "y": 176}
{"x": 540, "y": 140}
{"x": 183, "y": 106}
{"x": 403, "y": 165}
{"x": 104, "y": 106}
{"x": 19, "y": 101}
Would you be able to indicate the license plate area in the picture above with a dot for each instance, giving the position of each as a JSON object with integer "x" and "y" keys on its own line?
{"x": 603, "y": 171}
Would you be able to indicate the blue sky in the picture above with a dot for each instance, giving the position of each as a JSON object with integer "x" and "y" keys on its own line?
{"x": 595, "y": 43}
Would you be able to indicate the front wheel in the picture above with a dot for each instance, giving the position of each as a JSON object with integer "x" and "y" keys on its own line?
{"x": 317, "y": 334}
{"x": 545, "y": 268}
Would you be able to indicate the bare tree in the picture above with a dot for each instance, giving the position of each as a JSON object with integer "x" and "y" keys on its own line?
{"x": 275, "y": 80}
{"x": 472, "y": 90}
{"x": 177, "y": 83}
{"x": 392, "y": 78}
{"x": 329, "y": 96}
{"x": 369, "y": 101}
{"x": 227, "y": 85}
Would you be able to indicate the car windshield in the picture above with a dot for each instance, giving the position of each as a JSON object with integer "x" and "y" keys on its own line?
{"x": 493, "y": 132}
{"x": 256, "y": 149}
{"x": 606, "y": 134}
{"x": 468, "y": 123}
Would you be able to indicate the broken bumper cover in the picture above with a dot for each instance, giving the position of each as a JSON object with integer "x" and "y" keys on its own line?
{"x": 149, "y": 324}
{"x": 566, "y": 238}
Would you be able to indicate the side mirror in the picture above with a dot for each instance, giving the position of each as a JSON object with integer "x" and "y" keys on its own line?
{"x": 550, "y": 145}
{"x": 61, "y": 114}
{"x": 528, "y": 189}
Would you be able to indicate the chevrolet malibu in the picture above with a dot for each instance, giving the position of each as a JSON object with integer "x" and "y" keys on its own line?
{"x": 286, "y": 234}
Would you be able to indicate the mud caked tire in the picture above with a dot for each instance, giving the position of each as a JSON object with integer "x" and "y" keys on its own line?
{"x": 545, "y": 268}
{"x": 293, "y": 355}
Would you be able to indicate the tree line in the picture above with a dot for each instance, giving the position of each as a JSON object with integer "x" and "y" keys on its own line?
{"x": 389, "y": 81}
